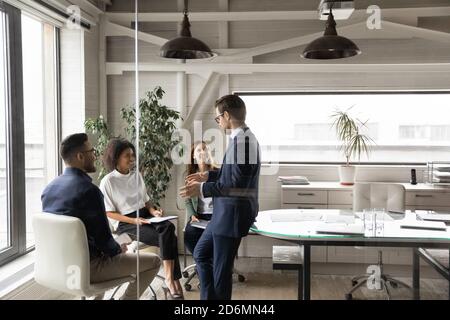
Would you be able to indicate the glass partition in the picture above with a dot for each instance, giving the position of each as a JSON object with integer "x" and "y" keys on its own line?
{"x": 5, "y": 233}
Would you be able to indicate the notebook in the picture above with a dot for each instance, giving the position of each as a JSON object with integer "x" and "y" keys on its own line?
{"x": 161, "y": 219}
{"x": 293, "y": 180}
{"x": 201, "y": 224}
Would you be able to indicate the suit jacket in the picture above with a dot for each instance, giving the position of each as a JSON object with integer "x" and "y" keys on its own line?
{"x": 235, "y": 187}
{"x": 73, "y": 194}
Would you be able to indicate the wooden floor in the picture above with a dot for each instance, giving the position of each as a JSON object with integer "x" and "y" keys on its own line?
{"x": 262, "y": 283}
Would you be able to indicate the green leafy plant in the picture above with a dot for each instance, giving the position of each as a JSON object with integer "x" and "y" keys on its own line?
{"x": 157, "y": 124}
{"x": 348, "y": 131}
{"x": 156, "y": 127}
{"x": 99, "y": 128}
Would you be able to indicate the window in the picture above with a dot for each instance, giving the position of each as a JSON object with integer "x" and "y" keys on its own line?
{"x": 38, "y": 63}
{"x": 407, "y": 127}
{"x": 28, "y": 124}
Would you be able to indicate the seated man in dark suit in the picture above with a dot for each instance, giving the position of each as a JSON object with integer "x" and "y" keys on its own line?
{"x": 73, "y": 194}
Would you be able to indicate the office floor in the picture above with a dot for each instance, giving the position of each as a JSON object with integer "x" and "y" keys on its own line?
{"x": 262, "y": 283}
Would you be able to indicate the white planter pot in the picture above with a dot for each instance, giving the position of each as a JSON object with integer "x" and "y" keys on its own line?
{"x": 347, "y": 175}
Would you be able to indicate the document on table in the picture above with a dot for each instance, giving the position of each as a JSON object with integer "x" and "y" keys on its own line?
{"x": 444, "y": 217}
{"x": 161, "y": 219}
{"x": 384, "y": 217}
{"x": 424, "y": 225}
{"x": 295, "y": 216}
{"x": 339, "y": 218}
{"x": 341, "y": 229}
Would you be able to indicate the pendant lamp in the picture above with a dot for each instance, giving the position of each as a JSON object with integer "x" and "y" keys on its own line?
{"x": 185, "y": 46}
{"x": 330, "y": 45}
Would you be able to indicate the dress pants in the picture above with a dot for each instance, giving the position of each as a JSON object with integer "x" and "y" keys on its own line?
{"x": 214, "y": 256}
{"x": 161, "y": 235}
{"x": 122, "y": 265}
{"x": 191, "y": 237}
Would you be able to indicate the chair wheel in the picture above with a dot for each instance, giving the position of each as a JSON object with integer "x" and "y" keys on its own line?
{"x": 348, "y": 296}
{"x": 185, "y": 274}
{"x": 354, "y": 283}
{"x": 188, "y": 287}
{"x": 198, "y": 286}
{"x": 241, "y": 278}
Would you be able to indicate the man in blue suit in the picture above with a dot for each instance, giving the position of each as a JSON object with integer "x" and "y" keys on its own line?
{"x": 235, "y": 201}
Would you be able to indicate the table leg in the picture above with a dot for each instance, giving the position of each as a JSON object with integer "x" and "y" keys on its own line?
{"x": 306, "y": 272}
{"x": 449, "y": 275}
{"x": 300, "y": 283}
{"x": 416, "y": 274}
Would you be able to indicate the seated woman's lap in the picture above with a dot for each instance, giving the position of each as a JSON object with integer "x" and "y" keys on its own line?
{"x": 148, "y": 233}
{"x": 191, "y": 237}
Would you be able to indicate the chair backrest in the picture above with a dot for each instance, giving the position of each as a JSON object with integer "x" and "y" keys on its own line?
{"x": 389, "y": 196}
{"x": 62, "y": 253}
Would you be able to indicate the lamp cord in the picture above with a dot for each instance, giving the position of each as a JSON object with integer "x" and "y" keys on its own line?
{"x": 185, "y": 11}
{"x": 331, "y": 7}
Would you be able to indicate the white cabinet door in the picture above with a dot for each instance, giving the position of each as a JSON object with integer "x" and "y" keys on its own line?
{"x": 303, "y": 206}
{"x": 431, "y": 207}
{"x": 340, "y": 206}
{"x": 427, "y": 198}
{"x": 305, "y": 196}
{"x": 340, "y": 197}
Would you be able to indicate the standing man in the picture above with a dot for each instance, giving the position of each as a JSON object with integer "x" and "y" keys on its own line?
{"x": 235, "y": 200}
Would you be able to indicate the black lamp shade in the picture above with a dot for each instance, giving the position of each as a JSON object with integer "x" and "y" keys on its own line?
{"x": 185, "y": 46}
{"x": 330, "y": 45}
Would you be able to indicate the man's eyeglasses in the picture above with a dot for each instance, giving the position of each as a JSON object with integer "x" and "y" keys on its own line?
{"x": 218, "y": 118}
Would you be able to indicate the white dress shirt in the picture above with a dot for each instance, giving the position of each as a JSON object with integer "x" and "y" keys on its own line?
{"x": 233, "y": 134}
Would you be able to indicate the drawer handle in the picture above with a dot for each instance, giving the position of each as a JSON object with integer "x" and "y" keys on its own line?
{"x": 305, "y": 207}
{"x": 424, "y": 196}
{"x": 305, "y": 194}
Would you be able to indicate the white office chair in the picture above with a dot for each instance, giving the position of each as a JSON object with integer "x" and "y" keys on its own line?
{"x": 62, "y": 257}
{"x": 378, "y": 195}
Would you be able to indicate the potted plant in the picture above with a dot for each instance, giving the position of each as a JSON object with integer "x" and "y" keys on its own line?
{"x": 353, "y": 143}
{"x": 157, "y": 125}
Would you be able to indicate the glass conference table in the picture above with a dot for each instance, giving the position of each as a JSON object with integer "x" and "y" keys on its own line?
{"x": 327, "y": 227}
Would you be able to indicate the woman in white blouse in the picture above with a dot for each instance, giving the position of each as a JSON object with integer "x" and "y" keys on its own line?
{"x": 121, "y": 203}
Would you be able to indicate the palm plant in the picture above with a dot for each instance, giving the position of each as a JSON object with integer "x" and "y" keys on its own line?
{"x": 348, "y": 131}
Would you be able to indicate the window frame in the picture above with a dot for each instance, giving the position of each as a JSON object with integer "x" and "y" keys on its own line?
{"x": 14, "y": 156}
{"x": 346, "y": 92}
{"x": 16, "y": 183}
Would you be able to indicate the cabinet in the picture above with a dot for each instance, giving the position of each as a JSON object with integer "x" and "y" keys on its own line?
{"x": 332, "y": 195}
